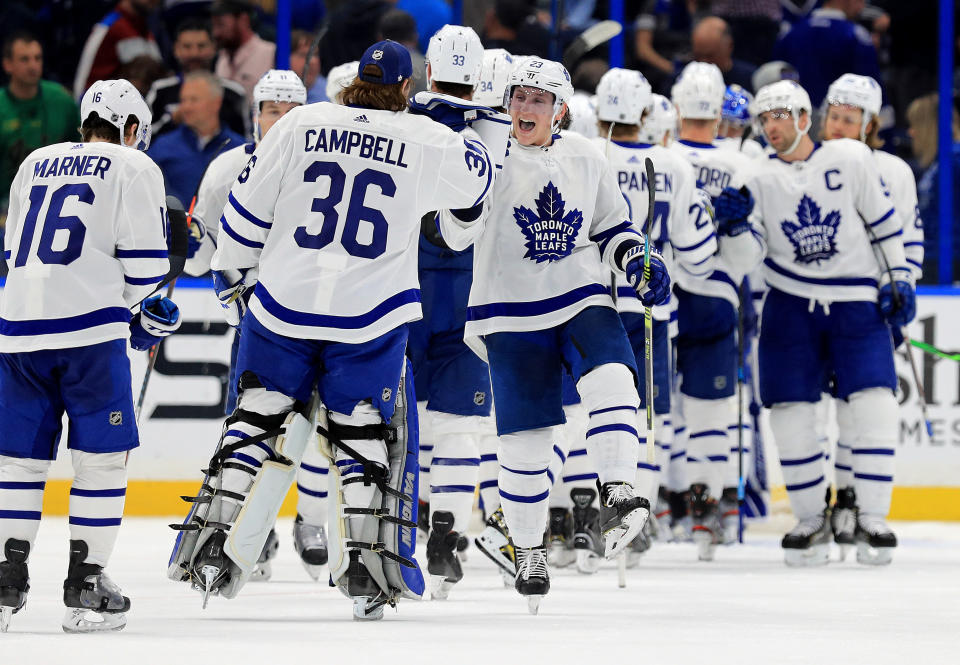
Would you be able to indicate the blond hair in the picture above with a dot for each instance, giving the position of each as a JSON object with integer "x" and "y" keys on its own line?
{"x": 922, "y": 116}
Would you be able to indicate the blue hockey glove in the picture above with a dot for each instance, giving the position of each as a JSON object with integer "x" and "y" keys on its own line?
{"x": 898, "y": 316}
{"x": 655, "y": 290}
{"x": 732, "y": 207}
{"x": 158, "y": 318}
{"x": 234, "y": 288}
{"x": 197, "y": 232}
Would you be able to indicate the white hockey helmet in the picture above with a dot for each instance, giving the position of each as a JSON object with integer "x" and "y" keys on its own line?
{"x": 279, "y": 85}
{"x": 583, "y": 114}
{"x": 455, "y": 55}
{"x": 862, "y": 92}
{"x": 339, "y": 78}
{"x": 543, "y": 75}
{"x": 115, "y": 100}
{"x": 660, "y": 123}
{"x": 496, "y": 68}
{"x": 788, "y": 96}
{"x": 698, "y": 92}
{"x": 622, "y": 96}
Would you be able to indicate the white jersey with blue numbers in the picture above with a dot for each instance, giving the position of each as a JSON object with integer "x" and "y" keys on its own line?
{"x": 814, "y": 215}
{"x": 716, "y": 168}
{"x": 682, "y": 227}
{"x": 898, "y": 178}
{"x": 328, "y": 208}
{"x": 85, "y": 241}
{"x": 547, "y": 239}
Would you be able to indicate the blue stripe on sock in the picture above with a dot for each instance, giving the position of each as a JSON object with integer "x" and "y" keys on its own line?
{"x": 717, "y": 458}
{"x": 314, "y": 469}
{"x": 615, "y": 427}
{"x": 520, "y": 498}
{"x": 803, "y": 486}
{"x": 577, "y": 453}
{"x": 22, "y": 485}
{"x": 678, "y": 454}
{"x": 489, "y": 457}
{"x": 309, "y": 492}
{"x": 120, "y": 491}
{"x": 246, "y": 459}
{"x": 563, "y": 458}
{"x": 873, "y": 476}
{"x": 19, "y": 514}
{"x": 707, "y": 432}
{"x": 451, "y": 489}
{"x": 487, "y": 484}
{"x": 455, "y": 461}
{"x": 613, "y": 408}
{"x": 551, "y": 478}
{"x": 579, "y": 476}
{"x": 799, "y": 462}
{"x": 873, "y": 451}
{"x": 842, "y": 467}
{"x": 95, "y": 521}
{"x": 649, "y": 467}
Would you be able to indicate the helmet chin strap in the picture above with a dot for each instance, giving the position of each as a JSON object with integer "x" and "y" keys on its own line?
{"x": 800, "y": 134}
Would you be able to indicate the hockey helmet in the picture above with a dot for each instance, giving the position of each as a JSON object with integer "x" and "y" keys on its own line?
{"x": 660, "y": 122}
{"x": 788, "y": 96}
{"x": 115, "y": 100}
{"x": 698, "y": 92}
{"x": 339, "y": 78}
{"x": 496, "y": 68}
{"x": 543, "y": 75}
{"x": 862, "y": 92}
{"x": 455, "y": 55}
{"x": 622, "y": 96}
{"x": 277, "y": 85}
{"x": 736, "y": 106}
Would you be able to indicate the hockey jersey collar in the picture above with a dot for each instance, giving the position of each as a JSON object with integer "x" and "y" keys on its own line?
{"x": 632, "y": 144}
{"x": 816, "y": 146}
{"x": 696, "y": 144}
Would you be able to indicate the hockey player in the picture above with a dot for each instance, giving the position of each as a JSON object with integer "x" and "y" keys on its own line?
{"x": 276, "y": 93}
{"x": 540, "y": 300}
{"x": 736, "y": 122}
{"x": 681, "y": 224}
{"x": 853, "y": 108}
{"x": 660, "y": 124}
{"x": 831, "y": 231}
{"x": 452, "y": 383}
{"x": 707, "y": 316}
{"x": 322, "y": 225}
{"x": 85, "y": 242}
{"x": 494, "y": 72}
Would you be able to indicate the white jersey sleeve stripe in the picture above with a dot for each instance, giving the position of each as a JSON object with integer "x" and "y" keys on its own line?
{"x": 880, "y": 221}
{"x": 477, "y": 148}
{"x": 237, "y": 237}
{"x": 143, "y": 281}
{"x": 141, "y": 254}
{"x": 246, "y": 214}
{"x": 887, "y": 237}
{"x": 690, "y": 248}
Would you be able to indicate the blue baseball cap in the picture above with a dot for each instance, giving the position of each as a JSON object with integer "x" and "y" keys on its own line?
{"x": 392, "y": 58}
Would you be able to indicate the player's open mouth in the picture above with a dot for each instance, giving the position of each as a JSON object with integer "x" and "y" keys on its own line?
{"x": 526, "y": 125}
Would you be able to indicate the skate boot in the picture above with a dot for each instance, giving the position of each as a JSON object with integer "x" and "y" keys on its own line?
{"x": 443, "y": 564}
{"x": 560, "y": 552}
{"x": 681, "y": 525}
{"x": 729, "y": 509}
{"x": 587, "y": 541}
{"x": 843, "y": 520}
{"x": 662, "y": 515}
{"x": 875, "y": 540}
{"x": 808, "y": 543}
{"x": 211, "y": 569}
{"x": 263, "y": 571}
{"x": 533, "y": 580}
{"x": 462, "y": 544}
{"x": 14, "y": 580}
{"x": 705, "y": 516}
{"x": 622, "y": 516}
{"x": 423, "y": 520}
{"x": 94, "y": 602}
{"x": 494, "y": 541}
{"x": 368, "y": 600}
{"x": 310, "y": 542}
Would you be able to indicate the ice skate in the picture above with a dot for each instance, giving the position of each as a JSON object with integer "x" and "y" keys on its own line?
{"x": 587, "y": 540}
{"x": 681, "y": 525}
{"x": 875, "y": 540}
{"x": 662, "y": 514}
{"x": 533, "y": 579}
{"x": 14, "y": 580}
{"x": 462, "y": 544}
{"x": 94, "y": 601}
{"x": 808, "y": 543}
{"x": 639, "y": 545}
{"x": 560, "y": 552}
{"x": 494, "y": 541}
{"x": 729, "y": 509}
{"x": 622, "y": 516}
{"x": 263, "y": 571}
{"x": 706, "y": 530}
{"x": 443, "y": 562}
{"x": 367, "y": 598}
{"x": 211, "y": 567}
{"x": 843, "y": 520}
{"x": 310, "y": 542}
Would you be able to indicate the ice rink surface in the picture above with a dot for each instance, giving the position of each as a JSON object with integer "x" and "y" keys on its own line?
{"x": 745, "y": 607}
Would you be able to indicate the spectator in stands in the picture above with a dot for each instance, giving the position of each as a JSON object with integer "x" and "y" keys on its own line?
{"x": 912, "y": 69}
{"x": 828, "y": 44}
{"x": 194, "y": 51}
{"x": 398, "y": 25}
{"x": 33, "y": 112}
{"x": 183, "y": 153}
{"x": 428, "y": 17}
{"x": 754, "y": 26}
{"x": 513, "y": 25}
{"x": 244, "y": 57}
{"x": 116, "y": 40}
{"x": 316, "y": 85}
{"x": 922, "y": 116}
{"x": 661, "y": 35}
{"x": 712, "y": 42}
{"x": 142, "y": 72}
{"x": 352, "y": 28}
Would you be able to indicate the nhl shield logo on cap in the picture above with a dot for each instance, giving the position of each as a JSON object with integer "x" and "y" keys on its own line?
{"x": 116, "y": 418}
{"x": 377, "y": 54}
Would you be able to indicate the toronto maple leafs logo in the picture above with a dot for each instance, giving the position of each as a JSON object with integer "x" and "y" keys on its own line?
{"x": 551, "y": 232}
{"x": 813, "y": 239}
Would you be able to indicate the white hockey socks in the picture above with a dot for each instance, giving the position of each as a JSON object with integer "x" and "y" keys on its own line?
{"x": 708, "y": 442}
{"x": 524, "y": 485}
{"x": 801, "y": 457}
{"x": 96, "y": 501}
{"x": 313, "y": 485}
{"x": 610, "y": 397}
{"x": 847, "y": 435}
{"x": 455, "y": 466}
{"x": 21, "y": 497}
{"x": 577, "y": 469}
{"x": 488, "y": 443}
{"x": 426, "y": 449}
{"x": 875, "y": 419}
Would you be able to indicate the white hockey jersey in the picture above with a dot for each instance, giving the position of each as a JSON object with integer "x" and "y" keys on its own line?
{"x": 716, "y": 168}
{"x": 329, "y": 208}
{"x": 682, "y": 228}
{"x": 85, "y": 241}
{"x": 748, "y": 147}
{"x": 814, "y": 215}
{"x": 211, "y": 199}
{"x": 899, "y": 181}
{"x": 555, "y": 217}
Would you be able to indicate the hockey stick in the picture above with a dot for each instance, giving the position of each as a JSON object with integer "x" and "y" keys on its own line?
{"x": 741, "y": 376}
{"x": 314, "y": 49}
{"x": 934, "y": 351}
{"x": 648, "y": 313}
{"x": 589, "y": 39}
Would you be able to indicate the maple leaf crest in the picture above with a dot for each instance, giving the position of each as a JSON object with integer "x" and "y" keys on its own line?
{"x": 551, "y": 231}
{"x": 813, "y": 238}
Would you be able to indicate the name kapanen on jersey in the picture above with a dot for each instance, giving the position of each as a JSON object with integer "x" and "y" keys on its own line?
{"x": 551, "y": 232}
{"x": 378, "y": 148}
{"x": 813, "y": 239}
{"x": 631, "y": 180}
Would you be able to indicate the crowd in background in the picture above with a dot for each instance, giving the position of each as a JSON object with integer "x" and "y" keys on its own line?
{"x": 196, "y": 61}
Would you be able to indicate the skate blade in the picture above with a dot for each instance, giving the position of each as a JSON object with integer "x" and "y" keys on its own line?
{"x": 633, "y": 558}
{"x": 6, "y": 614}
{"x": 706, "y": 548}
{"x": 439, "y": 587}
{"x": 362, "y": 610}
{"x": 844, "y": 551}
{"x": 509, "y": 581}
{"x": 492, "y": 551}
{"x": 262, "y": 572}
{"x": 874, "y": 556}
{"x": 617, "y": 539}
{"x": 533, "y": 604}
{"x": 315, "y": 572}
{"x": 80, "y": 620}
{"x": 588, "y": 562}
{"x": 209, "y": 575}
{"x": 817, "y": 555}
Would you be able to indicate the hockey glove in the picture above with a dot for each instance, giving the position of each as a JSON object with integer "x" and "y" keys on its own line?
{"x": 656, "y": 289}
{"x": 158, "y": 317}
{"x": 898, "y": 314}
{"x": 732, "y": 207}
{"x": 197, "y": 232}
{"x": 234, "y": 288}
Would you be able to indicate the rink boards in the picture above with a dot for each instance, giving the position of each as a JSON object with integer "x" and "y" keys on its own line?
{"x": 183, "y": 413}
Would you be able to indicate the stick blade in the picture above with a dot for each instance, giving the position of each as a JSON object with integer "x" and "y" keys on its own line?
{"x": 590, "y": 39}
